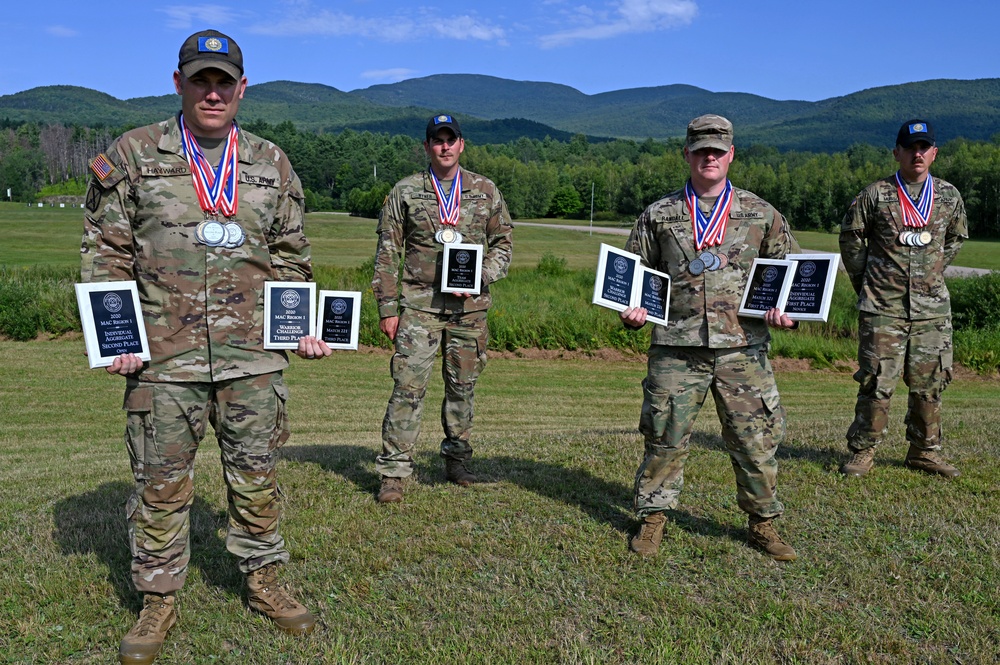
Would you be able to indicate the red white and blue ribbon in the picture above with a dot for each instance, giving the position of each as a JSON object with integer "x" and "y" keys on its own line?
{"x": 449, "y": 205}
{"x": 711, "y": 230}
{"x": 916, "y": 213}
{"x": 217, "y": 188}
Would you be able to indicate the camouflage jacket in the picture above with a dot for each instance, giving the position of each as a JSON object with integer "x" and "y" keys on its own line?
{"x": 703, "y": 308}
{"x": 407, "y": 223}
{"x": 889, "y": 277}
{"x": 202, "y": 306}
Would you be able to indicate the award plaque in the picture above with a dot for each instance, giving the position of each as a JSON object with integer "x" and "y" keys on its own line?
{"x": 812, "y": 286}
{"x": 289, "y": 313}
{"x": 339, "y": 318}
{"x": 623, "y": 282}
{"x": 112, "y": 321}
{"x": 768, "y": 286}
{"x": 462, "y": 269}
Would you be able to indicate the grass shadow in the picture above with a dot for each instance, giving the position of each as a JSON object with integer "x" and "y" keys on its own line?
{"x": 356, "y": 464}
{"x": 94, "y": 522}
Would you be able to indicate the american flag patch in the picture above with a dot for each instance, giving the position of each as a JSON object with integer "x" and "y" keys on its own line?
{"x": 101, "y": 167}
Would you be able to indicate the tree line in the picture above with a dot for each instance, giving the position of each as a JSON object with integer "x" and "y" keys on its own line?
{"x": 353, "y": 171}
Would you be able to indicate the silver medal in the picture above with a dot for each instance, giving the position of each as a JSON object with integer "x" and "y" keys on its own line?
{"x": 213, "y": 232}
{"x": 448, "y": 236}
{"x": 235, "y": 236}
{"x": 696, "y": 267}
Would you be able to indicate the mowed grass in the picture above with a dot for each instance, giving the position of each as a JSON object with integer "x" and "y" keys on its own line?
{"x": 531, "y": 565}
{"x": 51, "y": 236}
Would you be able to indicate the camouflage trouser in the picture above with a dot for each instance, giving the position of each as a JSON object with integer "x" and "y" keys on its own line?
{"x": 166, "y": 422}
{"x": 921, "y": 352}
{"x": 418, "y": 337}
{"x": 752, "y": 418}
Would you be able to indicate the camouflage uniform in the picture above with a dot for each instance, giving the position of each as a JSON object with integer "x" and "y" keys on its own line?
{"x": 203, "y": 310}
{"x": 705, "y": 345}
{"x": 905, "y": 310}
{"x": 428, "y": 317}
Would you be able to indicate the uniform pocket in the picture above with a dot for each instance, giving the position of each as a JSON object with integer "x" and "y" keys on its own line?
{"x": 282, "y": 430}
{"x": 140, "y": 435}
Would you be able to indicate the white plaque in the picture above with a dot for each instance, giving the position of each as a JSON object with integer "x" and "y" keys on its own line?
{"x": 462, "y": 268}
{"x": 339, "y": 318}
{"x": 768, "y": 286}
{"x": 112, "y": 321}
{"x": 622, "y": 282}
{"x": 812, "y": 287}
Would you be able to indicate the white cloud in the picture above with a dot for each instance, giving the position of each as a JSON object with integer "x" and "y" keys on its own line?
{"x": 384, "y": 28}
{"x": 624, "y": 17}
{"x": 185, "y": 17}
{"x": 393, "y": 75}
{"x": 61, "y": 31}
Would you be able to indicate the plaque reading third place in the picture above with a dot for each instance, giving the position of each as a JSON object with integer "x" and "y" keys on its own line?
{"x": 339, "y": 318}
{"x": 289, "y": 313}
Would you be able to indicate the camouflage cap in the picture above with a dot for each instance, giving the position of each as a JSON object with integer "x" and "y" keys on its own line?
{"x": 914, "y": 131}
{"x": 442, "y": 121}
{"x": 210, "y": 49}
{"x": 709, "y": 131}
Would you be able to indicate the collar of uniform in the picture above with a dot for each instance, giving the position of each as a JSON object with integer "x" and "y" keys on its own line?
{"x": 171, "y": 141}
{"x": 429, "y": 183}
{"x": 736, "y": 206}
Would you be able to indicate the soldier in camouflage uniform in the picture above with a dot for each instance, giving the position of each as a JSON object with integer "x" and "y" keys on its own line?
{"x": 202, "y": 304}
{"x": 422, "y": 212}
{"x": 896, "y": 240}
{"x": 705, "y": 344}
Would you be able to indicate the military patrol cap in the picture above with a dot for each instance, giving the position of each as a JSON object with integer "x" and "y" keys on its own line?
{"x": 914, "y": 131}
{"x": 442, "y": 121}
{"x": 210, "y": 49}
{"x": 709, "y": 131}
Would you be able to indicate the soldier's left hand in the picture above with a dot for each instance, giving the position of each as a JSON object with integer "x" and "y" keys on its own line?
{"x": 312, "y": 347}
{"x": 776, "y": 319}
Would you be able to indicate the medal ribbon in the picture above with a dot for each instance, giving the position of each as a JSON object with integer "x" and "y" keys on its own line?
{"x": 916, "y": 213}
{"x": 216, "y": 188}
{"x": 711, "y": 230}
{"x": 449, "y": 205}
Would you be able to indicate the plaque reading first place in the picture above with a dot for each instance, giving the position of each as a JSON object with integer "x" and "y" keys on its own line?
{"x": 623, "y": 282}
{"x": 289, "y": 313}
{"x": 339, "y": 319}
{"x": 768, "y": 286}
{"x": 112, "y": 321}
{"x": 462, "y": 268}
{"x": 812, "y": 287}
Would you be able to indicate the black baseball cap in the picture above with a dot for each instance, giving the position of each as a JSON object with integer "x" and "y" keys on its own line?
{"x": 442, "y": 121}
{"x": 914, "y": 131}
{"x": 210, "y": 49}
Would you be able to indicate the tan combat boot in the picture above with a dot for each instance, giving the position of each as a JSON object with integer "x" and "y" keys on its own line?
{"x": 763, "y": 536}
{"x": 455, "y": 471}
{"x": 860, "y": 463}
{"x": 647, "y": 541}
{"x": 271, "y": 600}
{"x": 143, "y": 642}
{"x": 929, "y": 461}
{"x": 391, "y": 490}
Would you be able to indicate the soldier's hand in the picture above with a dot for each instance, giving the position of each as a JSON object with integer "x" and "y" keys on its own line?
{"x": 774, "y": 318}
{"x": 389, "y": 325}
{"x": 125, "y": 364}
{"x": 634, "y": 317}
{"x": 312, "y": 347}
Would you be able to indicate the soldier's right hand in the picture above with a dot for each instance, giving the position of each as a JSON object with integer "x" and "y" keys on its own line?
{"x": 389, "y": 325}
{"x": 125, "y": 364}
{"x": 634, "y": 317}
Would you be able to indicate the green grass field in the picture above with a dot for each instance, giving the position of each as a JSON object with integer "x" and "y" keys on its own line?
{"x": 51, "y": 236}
{"x": 531, "y": 565}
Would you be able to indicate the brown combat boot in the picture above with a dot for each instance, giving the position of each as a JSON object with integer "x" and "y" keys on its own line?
{"x": 860, "y": 463}
{"x": 391, "y": 490}
{"x": 271, "y": 600}
{"x": 929, "y": 461}
{"x": 647, "y": 541}
{"x": 763, "y": 536}
{"x": 456, "y": 472}
{"x": 143, "y": 642}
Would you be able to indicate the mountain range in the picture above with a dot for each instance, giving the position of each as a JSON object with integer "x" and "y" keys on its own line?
{"x": 495, "y": 110}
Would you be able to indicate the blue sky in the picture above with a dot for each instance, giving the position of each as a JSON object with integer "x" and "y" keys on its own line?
{"x": 779, "y": 49}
